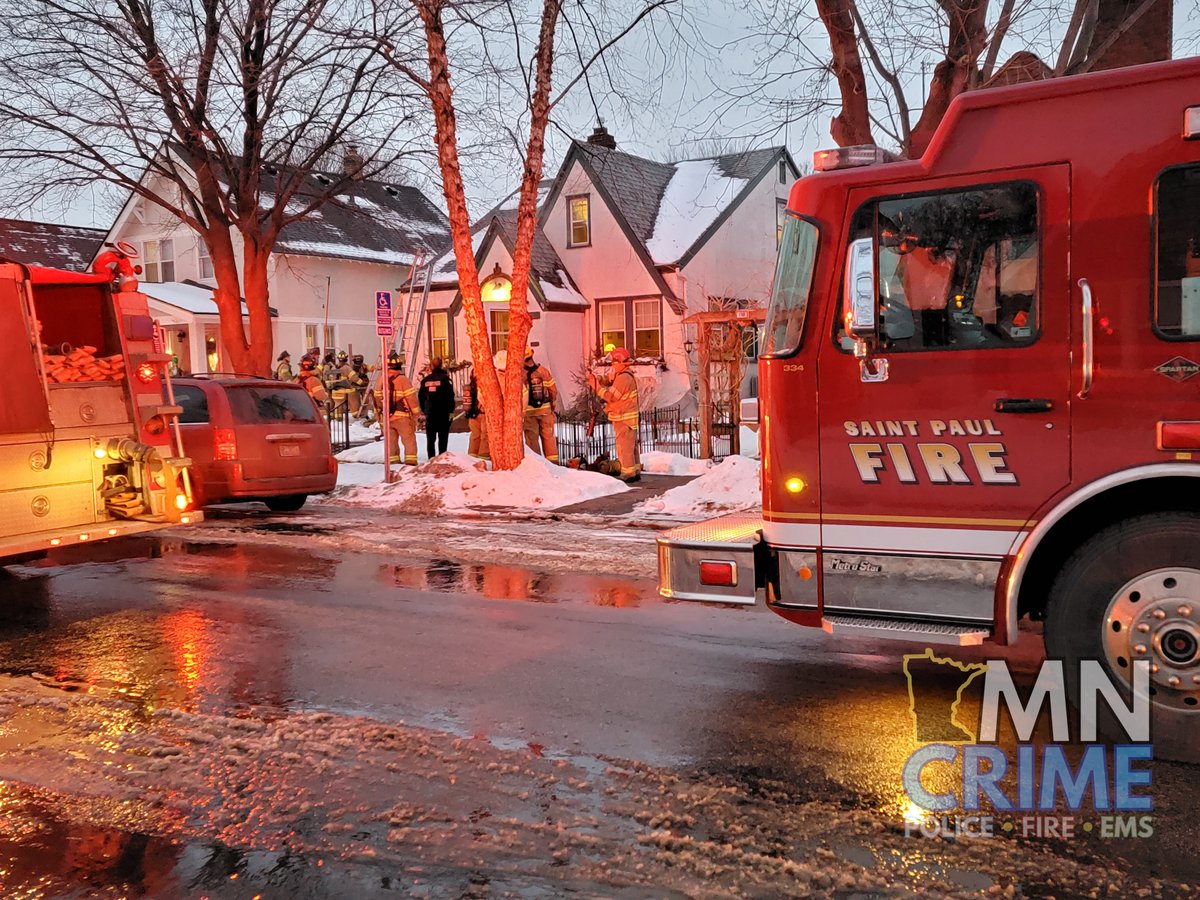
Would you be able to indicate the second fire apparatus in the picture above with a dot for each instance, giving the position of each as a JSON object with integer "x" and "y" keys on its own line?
{"x": 89, "y": 450}
{"x": 980, "y": 397}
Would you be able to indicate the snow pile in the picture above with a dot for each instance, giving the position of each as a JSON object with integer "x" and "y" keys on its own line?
{"x": 373, "y": 452}
{"x": 731, "y": 486}
{"x": 360, "y": 431}
{"x": 656, "y": 462}
{"x": 351, "y": 474}
{"x": 695, "y": 196}
{"x": 453, "y": 481}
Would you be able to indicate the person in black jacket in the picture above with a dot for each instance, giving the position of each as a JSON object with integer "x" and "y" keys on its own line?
{"x": 436, "y": 397}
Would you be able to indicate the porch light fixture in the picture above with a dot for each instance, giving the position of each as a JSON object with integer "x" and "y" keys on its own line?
{"x": 497, "y": 288}
{"x": 689, "y": 346}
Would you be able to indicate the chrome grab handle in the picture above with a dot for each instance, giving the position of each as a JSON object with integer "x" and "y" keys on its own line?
{"x": 1089, "y": 338}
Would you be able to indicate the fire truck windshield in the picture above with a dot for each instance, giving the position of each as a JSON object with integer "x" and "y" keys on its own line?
{"x": 792, "y": 286}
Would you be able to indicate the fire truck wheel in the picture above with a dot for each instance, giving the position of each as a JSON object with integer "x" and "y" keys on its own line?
{"x": 286, "y": 504}
{"x": 1133, "y": 592}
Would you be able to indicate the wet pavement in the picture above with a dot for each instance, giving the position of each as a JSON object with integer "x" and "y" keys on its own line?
{"x": 195, "y": 717}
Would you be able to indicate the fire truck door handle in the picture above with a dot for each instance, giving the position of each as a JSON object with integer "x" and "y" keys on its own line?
{"x": 1013, "y": 405}
{"x": 1089, "y": 338}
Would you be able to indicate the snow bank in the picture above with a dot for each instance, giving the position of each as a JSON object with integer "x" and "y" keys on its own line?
{"x": 732, "y": 485}
{"x": 373, "y": 452}
{"x": 454, "y": 481}
{"x": 656, "y": 462}
{"x": 350, "y": 474}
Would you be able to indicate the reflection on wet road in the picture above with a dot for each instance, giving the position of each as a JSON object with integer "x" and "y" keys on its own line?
{"x": 583, "y": 668}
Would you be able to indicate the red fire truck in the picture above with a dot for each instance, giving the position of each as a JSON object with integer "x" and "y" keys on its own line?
{"x": 980, "y": 398}
{"x": 89, "y": 447}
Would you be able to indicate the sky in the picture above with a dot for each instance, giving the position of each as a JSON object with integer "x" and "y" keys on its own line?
{"x": 705, "y": 78}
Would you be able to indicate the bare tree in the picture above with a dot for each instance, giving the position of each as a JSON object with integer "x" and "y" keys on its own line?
{"x": 886, "y": 72}
{"x": 459, "y": 37}
{"x": 217, "y": 111}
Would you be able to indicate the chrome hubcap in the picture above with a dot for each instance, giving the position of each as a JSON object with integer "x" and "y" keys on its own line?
{"x": 1156, "y": 617}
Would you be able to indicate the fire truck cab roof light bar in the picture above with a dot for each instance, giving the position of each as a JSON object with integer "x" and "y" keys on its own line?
{"x": 851, "y": 157}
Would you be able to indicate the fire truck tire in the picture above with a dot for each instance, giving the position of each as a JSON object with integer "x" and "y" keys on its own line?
{"x": 1133, "y": 592}
{"x": 291, "y": 503}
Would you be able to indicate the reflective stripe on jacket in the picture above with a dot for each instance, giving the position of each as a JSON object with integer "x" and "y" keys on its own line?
{"x": 621, "y": 398}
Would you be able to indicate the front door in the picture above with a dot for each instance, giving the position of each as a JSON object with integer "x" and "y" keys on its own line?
{"x": 930, "y": 475}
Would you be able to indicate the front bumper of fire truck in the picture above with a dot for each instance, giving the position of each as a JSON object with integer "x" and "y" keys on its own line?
{"x": 710, "y": 561}
{"x": 42, "y": 542}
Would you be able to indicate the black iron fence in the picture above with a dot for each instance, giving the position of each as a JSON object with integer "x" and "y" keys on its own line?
{"x": 658, "y": 429}
{"x": 338, "y": 416}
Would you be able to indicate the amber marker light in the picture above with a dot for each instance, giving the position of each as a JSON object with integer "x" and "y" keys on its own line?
{"x": 794, "y": 485}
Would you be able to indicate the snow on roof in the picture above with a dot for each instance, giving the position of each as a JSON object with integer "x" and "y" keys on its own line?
{"x": 187, "y": 296}
{"x": 696, "y": 195}
{"x": 670, "y": 206}
{"x": 563, "y": 294}
{"x": 54, "y": 246}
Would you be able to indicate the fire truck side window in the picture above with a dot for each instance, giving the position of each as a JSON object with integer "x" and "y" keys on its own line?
{"x": 957, "y": 270}
{"x": 1177, "y": 293}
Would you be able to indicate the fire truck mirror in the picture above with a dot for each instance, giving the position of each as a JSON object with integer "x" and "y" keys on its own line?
{"x": 858, "y": 303}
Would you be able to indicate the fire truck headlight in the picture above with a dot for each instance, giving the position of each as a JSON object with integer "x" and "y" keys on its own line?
{"x": 181, "y": 502}
{"x": 100, "y": 452}
{"x": 794, "y": 485}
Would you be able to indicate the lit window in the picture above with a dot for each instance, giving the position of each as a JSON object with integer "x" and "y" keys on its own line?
{"x": 204, "y": 262}
{"x": 612, "y": 324}
{"x": 310, "y": 336}
{"x": 439, "y": 334}
{"x": 581, "y": 223}
{"x": 498, "y": 320}
{"x": 158, "y": 260}
{"x": 330, "y": 337}
{"x": 647, "y": 327}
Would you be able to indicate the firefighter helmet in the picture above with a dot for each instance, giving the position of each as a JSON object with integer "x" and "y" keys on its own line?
{"x": 357, "y": 359}
{"x": 342, "y": 356}
{"x": 307, "y": 365}
{"x": 394, "y": 361}
{"x": 621, "y": 355}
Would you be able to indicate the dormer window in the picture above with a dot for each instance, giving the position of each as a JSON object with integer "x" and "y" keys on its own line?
{"x": 579, "y": 221}
{"x": 323, "y": 180}
{"x": 391, "y": 191}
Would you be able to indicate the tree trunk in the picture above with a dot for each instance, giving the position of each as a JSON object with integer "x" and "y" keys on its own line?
{"x": 441, "y": 97}
{"x": 853, "y": 124}
{"x": 958, "y": 72}
{"x": 519, "y": 320}
{"x": 255, "y": 273}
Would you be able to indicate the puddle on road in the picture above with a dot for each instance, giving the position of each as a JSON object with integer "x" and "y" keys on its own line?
{"x": 496, "y": 582}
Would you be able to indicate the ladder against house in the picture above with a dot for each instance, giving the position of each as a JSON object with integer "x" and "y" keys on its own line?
{"x": 413, "y": 314}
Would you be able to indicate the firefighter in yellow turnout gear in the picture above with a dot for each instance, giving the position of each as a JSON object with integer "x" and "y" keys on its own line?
{"x": 404, "y": 412}
{"x": 620, "y": 396}
{"x": 541, "y": 394}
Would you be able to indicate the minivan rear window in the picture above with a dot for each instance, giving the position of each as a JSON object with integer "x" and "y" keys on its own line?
{"x": 193, "y": 402}
{"x": 254, "y": 404}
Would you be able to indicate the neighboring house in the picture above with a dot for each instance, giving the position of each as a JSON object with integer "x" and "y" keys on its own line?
{"x": 55, "y": 246}
{"x": 626, "y": 249}
{"x": 323, "y": 273}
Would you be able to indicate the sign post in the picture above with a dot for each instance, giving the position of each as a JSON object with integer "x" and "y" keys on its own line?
{"x": 385, "y": 329}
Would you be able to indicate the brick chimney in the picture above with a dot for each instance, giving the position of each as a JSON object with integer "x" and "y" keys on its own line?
{"x": 601, "y": 138}
{"x": 352, "y": 163}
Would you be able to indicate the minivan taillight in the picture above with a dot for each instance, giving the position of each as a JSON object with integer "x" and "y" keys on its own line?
{"x": 224, "y": 444}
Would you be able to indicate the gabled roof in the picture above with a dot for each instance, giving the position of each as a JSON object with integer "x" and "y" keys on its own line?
{"x": 672, "y": 209}
{"x": 369, "y": 221}
{"x": 445, "y": 267}
{"x": 366, "y": 220}
{"x": 54, "y": 246}
{"x": 188, "y": 296}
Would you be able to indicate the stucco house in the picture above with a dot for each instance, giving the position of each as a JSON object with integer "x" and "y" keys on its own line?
{"x": 323, "y": 273}
{"x": 626, "y": 249}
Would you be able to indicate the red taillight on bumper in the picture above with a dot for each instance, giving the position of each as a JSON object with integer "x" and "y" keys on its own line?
{"x": 224, "y": 445}
{"x": 719, "y": 574}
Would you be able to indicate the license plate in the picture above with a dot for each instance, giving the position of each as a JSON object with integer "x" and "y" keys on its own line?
{"x": 289, "y": 449}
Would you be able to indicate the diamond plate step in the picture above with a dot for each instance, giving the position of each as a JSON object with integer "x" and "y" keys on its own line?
{"x": 902, "y": 630}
